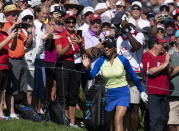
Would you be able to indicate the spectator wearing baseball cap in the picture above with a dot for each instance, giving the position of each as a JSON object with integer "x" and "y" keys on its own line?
{"x": 136, "y": 19}
{"x": 27, "y": 17}
{"x": 120, "y": 6}
{"x": 87, "y": 11}
{"x": 93, "y": 38}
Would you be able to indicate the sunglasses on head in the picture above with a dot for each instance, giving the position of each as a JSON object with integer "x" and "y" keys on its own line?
{"x": 27, "y": 18}
{"x": 95, "y": 21}
{"x": 70, "y": 22}
{"x": 136, "y": 8}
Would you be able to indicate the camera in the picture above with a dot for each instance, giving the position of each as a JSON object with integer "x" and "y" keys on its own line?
{"x": 21, "y": 25}
{"x": 60, "y": 9}
{"x": 163, "y": 18}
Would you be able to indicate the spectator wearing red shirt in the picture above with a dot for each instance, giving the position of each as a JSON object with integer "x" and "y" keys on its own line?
{"x": 68, "y": 80}
{"x": 155, "y": 64}
{"x": 4, "y": 58}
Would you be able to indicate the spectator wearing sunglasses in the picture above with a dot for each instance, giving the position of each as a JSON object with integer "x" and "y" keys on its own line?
{"x": 93, "y": 37}
{"x": 87, "y": 11}
{"x": 56, "y": 24}
{"x": 171, "y": 4}
{"x": 120, "y": 6}
{"x": 68, "y": 84}
{"x": 164, "y": 10}
{"x": 135, "y": 19}
{"x": 16, "y": 53}
{"x": 27, "y": 17}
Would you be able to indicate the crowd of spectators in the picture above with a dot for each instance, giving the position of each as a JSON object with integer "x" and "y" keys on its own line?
{"x": 44, "y": 45}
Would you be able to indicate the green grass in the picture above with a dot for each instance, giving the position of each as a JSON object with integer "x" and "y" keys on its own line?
{"x": 26, "y": 125}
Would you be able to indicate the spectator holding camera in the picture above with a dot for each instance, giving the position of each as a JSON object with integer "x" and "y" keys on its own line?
{"x": 130, "y": 45}
{"x": 56, "y": 23}
{"x": 113, "y": 68}
{"x": 16, "y": 53}
{"x": 27, "y": 17}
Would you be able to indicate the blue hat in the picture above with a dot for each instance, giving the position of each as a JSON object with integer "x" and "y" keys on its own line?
{"x": 177, "y": 33}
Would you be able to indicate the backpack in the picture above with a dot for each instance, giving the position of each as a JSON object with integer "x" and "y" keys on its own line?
{"x": 27, "y": 113}
{"x": 57, "y": 114}
{"x": 94, "y": 113}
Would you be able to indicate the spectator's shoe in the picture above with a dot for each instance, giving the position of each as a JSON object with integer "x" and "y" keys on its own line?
{"x": 14, "y": 116}
{"x": 4, "y": 118}
{"x": 73, "y": 125}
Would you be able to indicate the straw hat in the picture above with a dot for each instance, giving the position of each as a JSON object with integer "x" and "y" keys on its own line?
{"x": 10, "y": 8}
{"x": 74, "y": 3}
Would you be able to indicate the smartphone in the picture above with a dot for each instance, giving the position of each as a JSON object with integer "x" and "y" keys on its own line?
{"x": 79, "y": 33}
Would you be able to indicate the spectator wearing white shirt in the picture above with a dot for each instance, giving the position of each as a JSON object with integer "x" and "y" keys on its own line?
{"x": 130, "y": 45}
{"x": 42, "y": 32}
{"x": 87, "y": 11}
{"x": 135, "y": 18}
{"x": 27, "y": 17}
{"x": 93, "y": 38}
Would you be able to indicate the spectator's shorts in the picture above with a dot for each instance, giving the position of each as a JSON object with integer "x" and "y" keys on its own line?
{"x": 3, "y": 79}
{"x": 117, "y": 97}
{"x": 174, "y": 112}
{"x": 135, "y": 95}
{"x": 30, "y": 80}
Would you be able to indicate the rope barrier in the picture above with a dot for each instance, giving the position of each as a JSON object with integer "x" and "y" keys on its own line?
{"x": 144, "y": 85}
